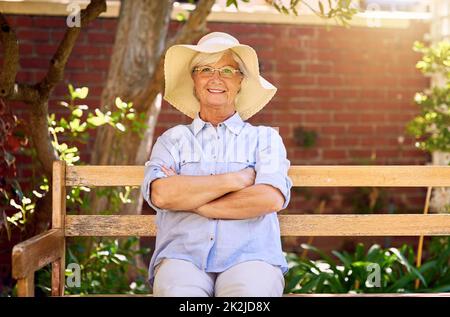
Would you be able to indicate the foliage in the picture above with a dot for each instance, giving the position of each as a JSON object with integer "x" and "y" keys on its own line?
{"x": 66, "y": 133}
{"x": 433, "y": 124}
{"x": 12, "y": 140}
{"x": 103, "y": 263}
{"x": 341, "y": 11}
{"x": 350, "y": 272}
{"x": 305, "y": 138}
{"x": 103, "y": 269}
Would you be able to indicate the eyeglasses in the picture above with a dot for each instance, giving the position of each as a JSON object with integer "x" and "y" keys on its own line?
{"x": 208, "y": 71}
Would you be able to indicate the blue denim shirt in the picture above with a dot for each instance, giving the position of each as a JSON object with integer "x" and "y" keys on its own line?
{"x": 215, "y": 245}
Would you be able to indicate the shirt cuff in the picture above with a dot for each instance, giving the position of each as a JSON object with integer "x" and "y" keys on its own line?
{"x": 283, "y": 183}
{"x": 152, "y": 172}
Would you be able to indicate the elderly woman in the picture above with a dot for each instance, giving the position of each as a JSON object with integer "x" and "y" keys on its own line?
{"x": 217, "y": 183}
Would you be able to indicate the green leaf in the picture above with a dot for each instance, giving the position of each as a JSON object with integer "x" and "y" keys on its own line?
{"x": 74, "y": 124}
{"x": 81, "y": 93}
{"x": 77, "y": 112}
{"x": 120, "y": 257}
{"x": 345, "y": 260}
{"x": 408, "y": 266}
{"x": 120, "y": 104}
{"x": 14, "y": 204}
{"x": 131, "y": 116}
{"x": 322, "y": 254}
{"x": 71, "y": 92}
{"x": 322, "y": 10}
{"x": 96, "y": 121}
{"x": 120, "y": 127}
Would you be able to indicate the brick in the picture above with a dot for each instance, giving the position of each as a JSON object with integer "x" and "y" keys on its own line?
{"x": 360, "y": 129}
{"x": 84, "y": 78}
{"x": 324, "y": 141}
{"x": 390, "y": 129}
{"x": 21, "y": 21}
{"x": 51, "y": 22}
{"x": 25, "y": 77}
{"x": 109, "y": 24}
{"x": 318, "y": 68}
{"x": 319, "y": 93}
{"x": 98, "y": 64}
{"x": 329, "y": 81}
{"x": 92, "y": 52}
{"x": 302, "y": 31}
{"x": 101, "y": 38}
{"x": 345, "y": 117}
{"x": 372, "y": 117}
{"x": 356, "y": 153}
{"x": 347, "y": 94}
{"x": 76, "y": 63}
{"x": 317, "y": 117}
{"x": 342, "y": 141}
{"x": 57, "y": 36}
{"x": 334, "y": 154}
{"x": 301, "y": 153}
{"x": 34, "y": 62}
{"x": 288, "y": 67}
{"x": 32, "y": 35}
{"x": 25, "y": 49}
{"x": 332, "y": 129}
{"x": 46, "y": 49}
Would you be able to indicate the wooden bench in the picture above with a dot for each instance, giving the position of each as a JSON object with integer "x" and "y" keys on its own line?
{"x": 49, "y": 247}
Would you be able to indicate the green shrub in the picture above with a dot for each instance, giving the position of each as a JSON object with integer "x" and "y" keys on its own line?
{"x": 351, "y": 272}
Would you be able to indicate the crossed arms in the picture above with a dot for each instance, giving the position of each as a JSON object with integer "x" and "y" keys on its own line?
{"x": 223, "y": 196}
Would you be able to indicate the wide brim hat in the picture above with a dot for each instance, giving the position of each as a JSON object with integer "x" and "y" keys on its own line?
{"x": 255, "y": 91}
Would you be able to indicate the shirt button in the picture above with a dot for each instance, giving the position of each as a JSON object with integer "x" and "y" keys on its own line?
{"x": 220, "y": 124}
{"x": 211, "y": 238}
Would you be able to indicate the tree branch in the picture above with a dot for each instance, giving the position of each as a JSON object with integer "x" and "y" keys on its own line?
{"x": 194, "y": 27}
{"x": 10, "y": 57}
{"x": 58, "y": 62}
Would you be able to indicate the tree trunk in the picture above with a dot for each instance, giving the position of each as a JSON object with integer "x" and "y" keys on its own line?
{"x": 136, "y": 75}
{"x": 139, "y": 45}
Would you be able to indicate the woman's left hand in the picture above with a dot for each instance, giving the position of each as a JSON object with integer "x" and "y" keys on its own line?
{"x": 168, "y": 171}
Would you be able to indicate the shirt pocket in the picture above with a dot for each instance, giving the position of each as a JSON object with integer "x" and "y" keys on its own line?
{"x": 190, "y": 164}
{"x": 239, "y": 164}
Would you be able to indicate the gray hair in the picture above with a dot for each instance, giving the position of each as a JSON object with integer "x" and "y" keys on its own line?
{"x": 201, "y": 59}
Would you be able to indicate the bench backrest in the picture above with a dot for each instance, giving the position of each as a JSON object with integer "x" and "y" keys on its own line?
{"x": 291, "y": 225}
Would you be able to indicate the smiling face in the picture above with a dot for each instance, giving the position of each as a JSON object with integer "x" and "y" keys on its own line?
{"x": 216, "y": 92}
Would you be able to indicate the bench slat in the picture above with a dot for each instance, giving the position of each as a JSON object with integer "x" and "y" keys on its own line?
{"x": 304, "y": 176}
{"x": 291, "y": 225}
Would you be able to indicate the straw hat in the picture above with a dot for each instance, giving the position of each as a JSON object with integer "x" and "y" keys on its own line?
{"x": 255, "y": 92}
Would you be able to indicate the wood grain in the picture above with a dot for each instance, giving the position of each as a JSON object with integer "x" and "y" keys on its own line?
{"x": 291, "y": 225}
{"x": 36, "y": 252}
{"x": 25, "y": 286}
{"x": 302, "y": 176}
{"x": 58, "y": 221}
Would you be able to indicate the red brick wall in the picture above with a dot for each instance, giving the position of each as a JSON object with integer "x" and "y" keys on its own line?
{"x": 354, "y": 87}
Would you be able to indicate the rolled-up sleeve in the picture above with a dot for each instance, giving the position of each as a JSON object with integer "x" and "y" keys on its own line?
{"x": 272, "y": 164}
{"x": 163, "y": 154}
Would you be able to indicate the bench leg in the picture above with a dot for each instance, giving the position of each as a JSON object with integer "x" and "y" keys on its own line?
{"x": 58, "y": 277}
{"x": 25, "y": 286}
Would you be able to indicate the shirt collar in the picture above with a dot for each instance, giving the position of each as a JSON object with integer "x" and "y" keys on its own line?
{"x": 233, "y": 123}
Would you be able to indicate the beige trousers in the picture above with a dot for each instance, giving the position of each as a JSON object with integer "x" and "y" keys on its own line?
{"x": 180, "y": 278}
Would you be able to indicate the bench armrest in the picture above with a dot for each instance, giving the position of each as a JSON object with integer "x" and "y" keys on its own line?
{"x": 33, "y": 254}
